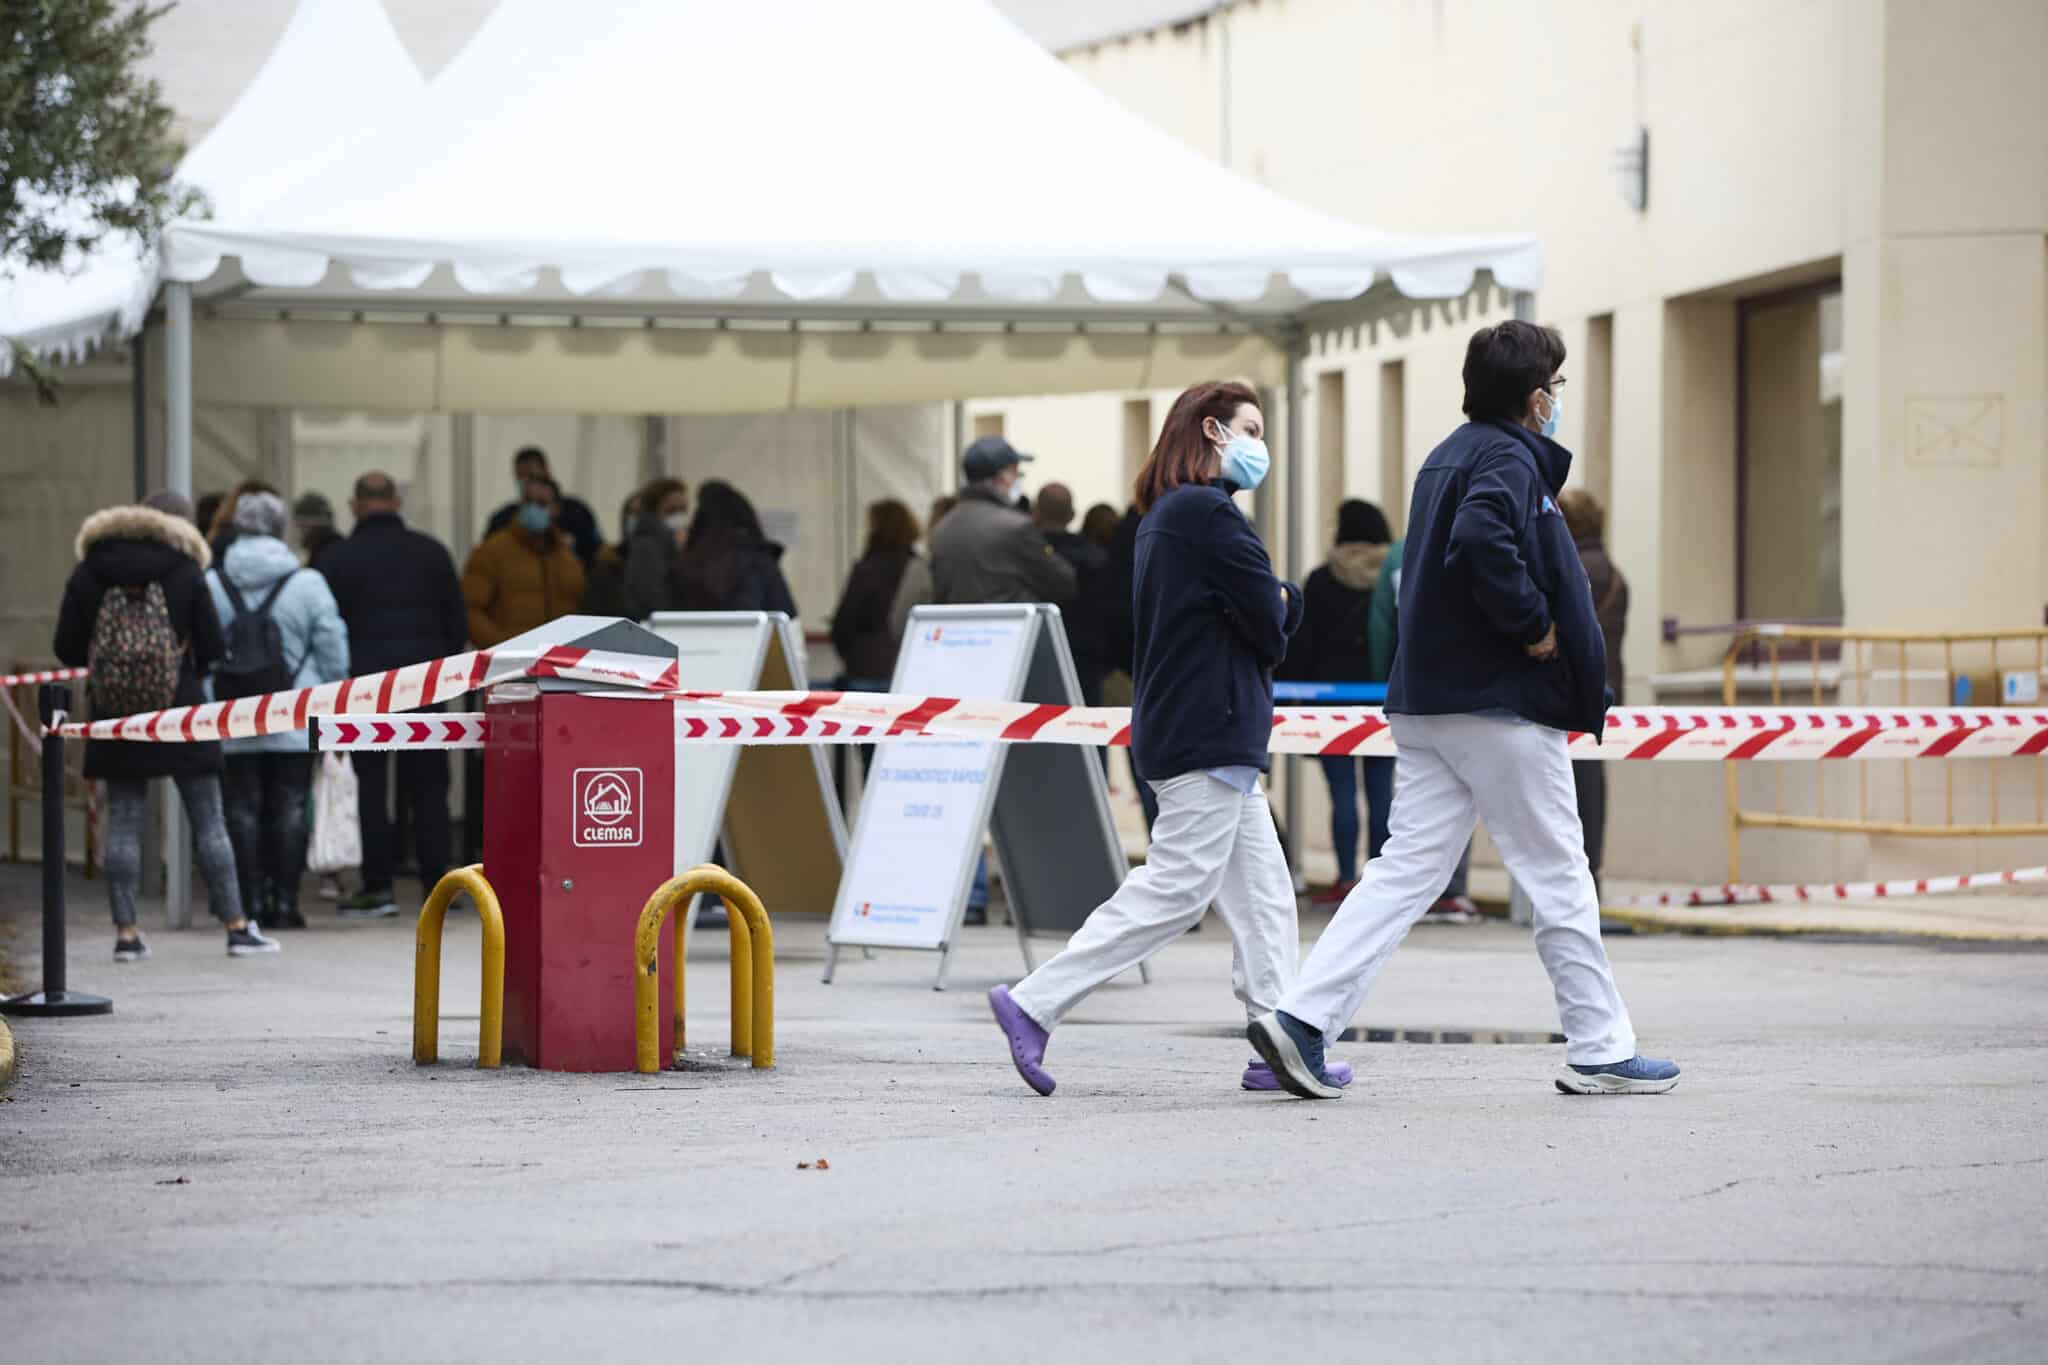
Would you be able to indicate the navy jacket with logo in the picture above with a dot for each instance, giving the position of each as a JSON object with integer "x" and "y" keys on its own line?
{"x": 1487, "y": 569}
{"x": 1208, "y": 628}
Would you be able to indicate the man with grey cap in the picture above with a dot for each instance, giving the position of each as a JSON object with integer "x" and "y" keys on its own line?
{"x": 987, "y": 550}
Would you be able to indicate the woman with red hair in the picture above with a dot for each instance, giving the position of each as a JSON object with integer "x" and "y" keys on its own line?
{"x": 1210, "y": 623}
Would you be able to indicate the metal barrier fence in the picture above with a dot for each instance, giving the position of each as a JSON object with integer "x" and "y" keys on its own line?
{"x": 1831, "y": 666}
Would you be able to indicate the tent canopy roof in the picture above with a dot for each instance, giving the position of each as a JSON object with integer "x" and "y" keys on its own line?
{"x": 296, "y": 116}
{"x": 916, "y": 157}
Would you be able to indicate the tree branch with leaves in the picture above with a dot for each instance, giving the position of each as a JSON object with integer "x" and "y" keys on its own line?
{"x": 87, "y": 146}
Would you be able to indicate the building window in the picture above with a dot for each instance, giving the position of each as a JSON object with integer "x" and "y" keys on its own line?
{"x": 1788, "y": 513}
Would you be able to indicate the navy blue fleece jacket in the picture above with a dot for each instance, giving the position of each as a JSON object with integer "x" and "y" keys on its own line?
{"x": 1209, "y": 626}
{"x": 1487, "y": 569}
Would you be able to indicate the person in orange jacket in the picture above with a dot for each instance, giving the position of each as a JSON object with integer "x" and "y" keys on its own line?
{"x": 524, "y": 575}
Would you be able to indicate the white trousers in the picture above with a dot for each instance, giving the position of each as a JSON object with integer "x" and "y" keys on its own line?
{"x": 1453, "y": 771}
{"x": 1210, "y": 844}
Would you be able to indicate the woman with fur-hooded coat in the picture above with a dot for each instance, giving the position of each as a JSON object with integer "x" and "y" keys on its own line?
{"x": 132, "y": 547}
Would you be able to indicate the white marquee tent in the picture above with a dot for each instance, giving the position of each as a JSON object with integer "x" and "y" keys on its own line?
{"x": 700, "y": 206}
{"x": 299, "y": 113}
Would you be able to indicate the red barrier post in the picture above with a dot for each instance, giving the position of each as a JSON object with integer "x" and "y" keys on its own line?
{"x": 579, "y": 825}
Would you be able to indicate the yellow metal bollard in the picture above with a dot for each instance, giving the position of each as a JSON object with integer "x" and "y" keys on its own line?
{"x": 426, "y": 974}
{"x": 753, "y": 966}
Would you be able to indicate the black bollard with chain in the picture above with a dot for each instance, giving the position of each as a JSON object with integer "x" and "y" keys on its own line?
{"x": 54, "y": 998}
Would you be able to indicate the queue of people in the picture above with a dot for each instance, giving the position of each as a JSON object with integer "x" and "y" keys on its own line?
{"x": 1505, "y": 633}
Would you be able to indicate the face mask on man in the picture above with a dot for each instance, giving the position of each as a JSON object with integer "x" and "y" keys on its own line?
{"x": 1245, "y": 459}
{"x": 678, "y": 522}
{"x": 533, "y": 517}
{"x": 1549, "y": 426}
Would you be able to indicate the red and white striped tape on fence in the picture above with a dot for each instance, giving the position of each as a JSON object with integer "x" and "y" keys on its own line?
{"x": 47, "y": 675}
{"x": 1734, "y": 733}
{"x": 368, "y": 734}
{"x": 398, "y": 689}
{"x": 1811, "y": 892}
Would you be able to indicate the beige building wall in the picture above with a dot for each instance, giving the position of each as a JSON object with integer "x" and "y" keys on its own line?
{"x": 1898, "y": 146}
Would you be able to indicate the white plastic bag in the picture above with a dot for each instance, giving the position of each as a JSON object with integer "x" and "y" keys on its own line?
{"x": 337, "y": 842}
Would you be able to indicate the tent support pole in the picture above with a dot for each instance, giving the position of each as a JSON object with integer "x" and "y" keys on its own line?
{"x": 1297, "y": 485}
{"x": 138, "y": 413}
{"x": 462, "y": 484}
{"x": 178, "y": 479}
{"x": 178, "y": 388}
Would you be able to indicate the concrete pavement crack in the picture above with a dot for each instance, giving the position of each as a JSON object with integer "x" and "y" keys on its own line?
{"x": 971, "y": 1293}
{"x": 1317, "y": 1230}
{"x": 1863, "y": 1170}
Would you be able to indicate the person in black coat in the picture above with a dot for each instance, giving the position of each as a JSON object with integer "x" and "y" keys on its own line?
{"x": 1332, "y": 647}
{"x": 133, "y": 548}
{"x": 863, "y": 632}
{"x": 1500, "y": 656}
{"x": 728, "y": 563}
{"x": 1091, "y": 617}
{"x": 573, "y": 517}
{"x": 402, "y": 602}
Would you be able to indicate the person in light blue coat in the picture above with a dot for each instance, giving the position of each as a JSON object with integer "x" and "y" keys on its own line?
{"x": 268, "y": 776}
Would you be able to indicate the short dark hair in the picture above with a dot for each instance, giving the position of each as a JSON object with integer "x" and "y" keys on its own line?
{"x": 1503, "y": 363}
{"x": 375, "y": 487}
{"x": 530, "y": 453}
{"x": 554, "y": 489}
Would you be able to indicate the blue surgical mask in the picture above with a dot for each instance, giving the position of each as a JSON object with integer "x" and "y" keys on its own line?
{"x": 1245, "y": 460}
{"x": 1549, "y": 427}
{"x": 533, "y": 517}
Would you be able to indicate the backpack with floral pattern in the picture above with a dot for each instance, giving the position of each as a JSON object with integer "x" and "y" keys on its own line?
{"x": 134, "y": 654}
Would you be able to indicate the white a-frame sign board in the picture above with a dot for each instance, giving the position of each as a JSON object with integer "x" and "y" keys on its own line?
{"x": 773, "y": 805}
{"x": 928, "y": 803}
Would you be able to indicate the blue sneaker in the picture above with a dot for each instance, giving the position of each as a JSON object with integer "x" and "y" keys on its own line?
{"x": 1638, "y": 1075}
{"x": 1294, "y": 1051}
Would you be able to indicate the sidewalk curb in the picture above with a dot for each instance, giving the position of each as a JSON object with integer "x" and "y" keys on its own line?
{"x": 1653, "y": 921}
{"x": 7, "y": 1058}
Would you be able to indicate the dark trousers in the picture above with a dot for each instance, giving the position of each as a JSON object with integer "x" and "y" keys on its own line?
{"x": 840, "y": 772}
{"x": 423, "y": 777}
{"x": 1342, "y": 775}
{"x": 1591, "y": 780}
{"x": 266, "y": 800}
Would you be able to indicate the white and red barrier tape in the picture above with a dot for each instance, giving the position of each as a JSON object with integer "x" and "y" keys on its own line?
{"x": 398, "y": 689}
{"x": 48, "y": 675}
{"x": 1812, "y": 892}
{"x": 357, "y": 734}
{"x": 1747, "y": 734}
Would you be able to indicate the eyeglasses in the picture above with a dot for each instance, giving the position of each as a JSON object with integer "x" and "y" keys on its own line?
{"x": 1556, "y": 383}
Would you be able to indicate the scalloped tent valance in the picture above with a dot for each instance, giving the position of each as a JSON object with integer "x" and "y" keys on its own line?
{"x": 905, "y": 157}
